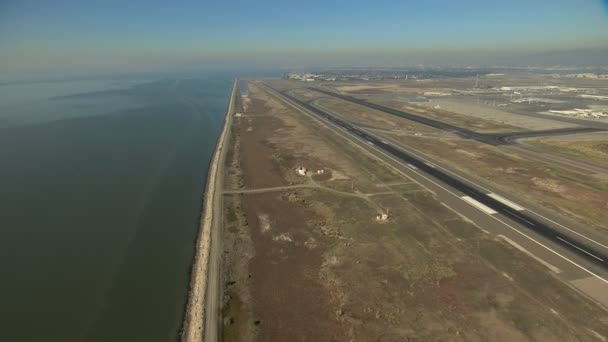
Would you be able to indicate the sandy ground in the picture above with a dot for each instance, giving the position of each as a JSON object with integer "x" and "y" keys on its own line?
{"x": 311, "y": 264}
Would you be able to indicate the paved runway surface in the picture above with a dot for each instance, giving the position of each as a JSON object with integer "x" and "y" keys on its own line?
{"x": 488, "y": 138}
{"x": 488, "y": 203}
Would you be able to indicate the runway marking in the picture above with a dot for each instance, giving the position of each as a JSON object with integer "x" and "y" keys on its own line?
{"x": 302, "y": 109}
{"x": 503, "y": 222}
{"x": 523, "y": 219}
{"x": 479, "y": 205}
{"x": 506, "y": 202}
{"x": 530, "y": 254}
{"x": 465, "y": 218}
{"x": 411, "y": 166}
{"x": 408, "y": 150}
{"x": 570, "y": 230}
{"x": 580, "y": 249}
{"x": 430, "y": 165}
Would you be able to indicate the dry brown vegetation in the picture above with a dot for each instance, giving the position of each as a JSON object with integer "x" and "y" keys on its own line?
{"x": 464, "y": 121}
{"x": 314, "y": 265}
{"x": 593, "y": 146}
{"x": 583, "y": 198}
{"x": 372, "y": 118}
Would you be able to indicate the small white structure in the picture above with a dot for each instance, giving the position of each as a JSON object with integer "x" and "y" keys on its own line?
{"x": 238, "y": 115}
{"x": 320, "y": 172}
{"x": 301, "y": 171}
{"x": 383, "y": 217}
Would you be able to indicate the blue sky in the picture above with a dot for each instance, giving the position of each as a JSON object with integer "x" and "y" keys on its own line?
{"x": 64, "y": 36}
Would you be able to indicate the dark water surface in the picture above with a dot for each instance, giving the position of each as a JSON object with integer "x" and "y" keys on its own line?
{"x": 99, "y": 205}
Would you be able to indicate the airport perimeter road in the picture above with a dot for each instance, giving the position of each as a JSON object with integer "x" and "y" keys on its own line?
{"x": 574, "y": 259}
{"x": 488, "y": 138}
{"x": 213, "y": 296}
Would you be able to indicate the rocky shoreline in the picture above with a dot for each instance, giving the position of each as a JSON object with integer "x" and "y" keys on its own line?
{"x": 194, "y": 317}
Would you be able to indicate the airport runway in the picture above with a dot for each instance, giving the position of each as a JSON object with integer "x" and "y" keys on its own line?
{"x": 487, "y": 138}
{"x": 545, "y": 215}
{"x": 576, "y": 259}
{"x": 509, "y": 138}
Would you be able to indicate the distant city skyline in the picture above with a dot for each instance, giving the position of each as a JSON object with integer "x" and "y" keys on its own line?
{"x": 62, "y": 36}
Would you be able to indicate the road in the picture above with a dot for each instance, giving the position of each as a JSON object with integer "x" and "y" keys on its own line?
{"x": 487, "y": 138}
{"x": 574, "y": 257}
{"x": 568, "y": 163}
{"x": 201, "y": 320}
{"x": 508, "y": 139}
{"x": 583, "y": 248}
{"x": 533, "y": 208}
{"x": 213, "y": 296}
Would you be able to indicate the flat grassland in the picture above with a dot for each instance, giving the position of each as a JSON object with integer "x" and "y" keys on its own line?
{"x": 372, "y": 118}
{"x": 460, "y": 120}
{"x": 305, "y": 259}
{"x": 580, "y": 197}
{"x": 591, "y": 146}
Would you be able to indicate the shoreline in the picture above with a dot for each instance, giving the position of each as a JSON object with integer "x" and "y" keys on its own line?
{"x": 194, "y": 319}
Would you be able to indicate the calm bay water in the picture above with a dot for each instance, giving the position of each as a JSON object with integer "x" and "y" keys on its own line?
{"x": 100, "y": 193}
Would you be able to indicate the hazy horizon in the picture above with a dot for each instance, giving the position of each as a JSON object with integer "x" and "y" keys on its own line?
{"x": 71, "y": 38}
